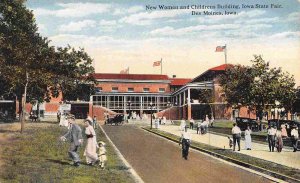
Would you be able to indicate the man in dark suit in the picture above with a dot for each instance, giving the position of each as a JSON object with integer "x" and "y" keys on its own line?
{"x": 74, "y": 135}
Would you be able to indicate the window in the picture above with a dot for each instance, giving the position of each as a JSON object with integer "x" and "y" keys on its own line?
{"x": 114, "y": 89}
{"x": 130, "y": 90}
{"x": 161, "y": 90}
{"x": 146, "y": 89}
{"x": 98, "y": 89}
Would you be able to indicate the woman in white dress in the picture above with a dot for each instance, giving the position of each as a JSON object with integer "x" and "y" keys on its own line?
{"x": 248, "y": 138}
{"x": 90, "y": 151}
{"x": 182, "y": 125}
{"x": 63, "y": 121}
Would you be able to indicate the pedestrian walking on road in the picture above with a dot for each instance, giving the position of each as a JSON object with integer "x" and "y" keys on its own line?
{"x": 90, "y": 151}
{"x": 185, "y": 141}
{"x": 271, "y": 138}
{"x": 279, "y": 142}
{"x": 248, "y": 140}
{"x": 295, "y": 137}
{"x": 199, "y": 127}
{"x": 74, "y": 135}
{"x": 236, "y": 135}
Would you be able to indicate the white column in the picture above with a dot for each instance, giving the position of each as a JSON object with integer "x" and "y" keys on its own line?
{"x": 189, "y": 96}
{"x": 184, "y": 98}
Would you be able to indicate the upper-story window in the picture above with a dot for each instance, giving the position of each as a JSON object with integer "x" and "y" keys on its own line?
{"x": 161, "y": 90}
{"x": 98, "y": 89}
{"x": 130, "y": 90}
{"x": 146, "y": 89}
{"x": 114, "y": 89}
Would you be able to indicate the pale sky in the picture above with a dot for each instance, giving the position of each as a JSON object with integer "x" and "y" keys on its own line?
{"x": 121, "y": 34}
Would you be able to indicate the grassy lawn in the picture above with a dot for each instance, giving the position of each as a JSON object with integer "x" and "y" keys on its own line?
{"x": 38, "y": 156}
{"x": 291, "y": 172}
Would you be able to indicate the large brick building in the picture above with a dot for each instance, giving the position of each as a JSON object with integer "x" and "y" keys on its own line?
{"x": 173, "y": 97}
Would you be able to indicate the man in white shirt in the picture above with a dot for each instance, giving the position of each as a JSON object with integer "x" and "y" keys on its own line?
{"x": 271, "y": 138}
{"x": 295, "y": 137}
{"x": 185, "y": 140}
{"x": 192, "y": 123}
{"x": 236, "y": 135}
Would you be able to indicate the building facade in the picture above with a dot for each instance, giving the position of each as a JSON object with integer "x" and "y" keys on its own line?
{"x": 175, "y": 98}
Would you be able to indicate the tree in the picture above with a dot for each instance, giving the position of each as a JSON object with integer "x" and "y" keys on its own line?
{"x": 31, "y": 69}
{"x": 270, "y": 85}
{"x": 258, "y": 86}
{"x": 74, "y": 77}
{"x": 23, "y": 53}
{"x": 236, "y": 83}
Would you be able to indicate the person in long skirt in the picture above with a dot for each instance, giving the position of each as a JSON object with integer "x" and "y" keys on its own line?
{"x": 90, "y": 151}
{"x": 248, "y": 139}
{"x": 283, "y": 131}
{"x": 279, "y": 142}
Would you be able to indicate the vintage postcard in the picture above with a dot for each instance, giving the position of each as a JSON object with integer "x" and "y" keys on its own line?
{"x": 149, "y": 91}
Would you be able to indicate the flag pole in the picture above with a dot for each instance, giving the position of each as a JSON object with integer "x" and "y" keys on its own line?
{"x": 161, "y": 66}
{"x": 225, "y": 52}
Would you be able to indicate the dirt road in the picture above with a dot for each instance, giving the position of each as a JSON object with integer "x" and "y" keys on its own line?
{"x": 159, "y": 161}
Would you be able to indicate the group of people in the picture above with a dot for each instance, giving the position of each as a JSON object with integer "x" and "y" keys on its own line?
{"x": 201, "y": 126}
{"x": 160, "y": 121}
{"x": 274, "y": 137}
{"x": 74, "y": 136}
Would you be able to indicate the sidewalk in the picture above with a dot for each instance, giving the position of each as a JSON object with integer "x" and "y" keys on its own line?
{"x": 287, "y": 157}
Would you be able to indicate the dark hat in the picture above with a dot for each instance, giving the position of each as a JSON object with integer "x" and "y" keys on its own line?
{"x": 88, "y": 120}
{"x": 70, "y": 116}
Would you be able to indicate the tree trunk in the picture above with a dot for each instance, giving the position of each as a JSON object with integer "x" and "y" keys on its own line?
{"x": 38, "y": 110}
{"x": 23, "y": 105}
{"x": 20, "y": 107}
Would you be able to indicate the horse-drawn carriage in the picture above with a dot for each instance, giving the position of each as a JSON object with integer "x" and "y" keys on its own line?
{"x": 116, "y": 120}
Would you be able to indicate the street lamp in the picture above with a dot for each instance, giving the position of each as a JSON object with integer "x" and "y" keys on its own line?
{"x": 151, "y": 106}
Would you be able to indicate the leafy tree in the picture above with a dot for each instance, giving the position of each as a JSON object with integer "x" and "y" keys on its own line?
{"x": 258, "y": 86}
{"x": 23, "y": 54}
{"x": 270, "y": 85}
{"x": 74, "y": 77}
{"x": 236, "y": 83}
{"x": 31, "y": 69}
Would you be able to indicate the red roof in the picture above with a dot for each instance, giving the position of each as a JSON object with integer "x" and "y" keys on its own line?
{"x": 131, "y": 76}
{"x": 180, "y": 81}
{"x": 220, "y": 67}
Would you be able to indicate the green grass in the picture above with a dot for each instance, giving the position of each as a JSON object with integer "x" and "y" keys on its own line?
{"x": 291, "y": 172}
{"x": 38, "y": 156}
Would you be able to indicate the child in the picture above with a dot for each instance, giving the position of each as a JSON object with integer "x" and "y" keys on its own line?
{"x": 230, "y": 142}
{"x": 102, "y": 154}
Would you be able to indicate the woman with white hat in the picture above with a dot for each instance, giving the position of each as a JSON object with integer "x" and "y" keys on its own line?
{"x": 90, "y": 151}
